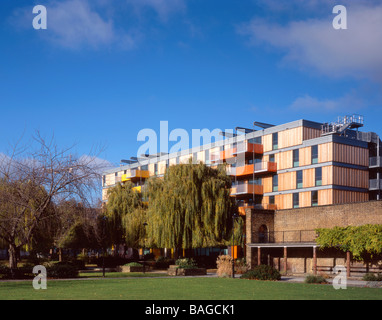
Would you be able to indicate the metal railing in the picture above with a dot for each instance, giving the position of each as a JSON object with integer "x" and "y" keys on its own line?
{"x": 375, "y": 162}
{"x": 375, "y": 184}
{"x": 293, "y": 236}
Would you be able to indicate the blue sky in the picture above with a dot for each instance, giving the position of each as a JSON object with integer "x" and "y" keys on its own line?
{"x": 104, "y": 70}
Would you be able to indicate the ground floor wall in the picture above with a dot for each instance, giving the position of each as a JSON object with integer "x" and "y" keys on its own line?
{"x": 282, "y": 227}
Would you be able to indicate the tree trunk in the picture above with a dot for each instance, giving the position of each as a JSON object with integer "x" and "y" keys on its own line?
{"x": 12, "y": 257}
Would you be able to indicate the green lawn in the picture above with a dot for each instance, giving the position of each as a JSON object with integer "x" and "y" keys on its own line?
{"x": 180, "y": 289}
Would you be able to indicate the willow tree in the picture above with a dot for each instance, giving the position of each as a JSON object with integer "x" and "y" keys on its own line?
{"x": 190, "y": 207}
{"x": 126, "y": 214}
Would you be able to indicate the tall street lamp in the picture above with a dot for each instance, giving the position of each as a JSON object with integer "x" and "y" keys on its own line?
{"x": 234, "y": 216}
{"x": 144, "y": 247}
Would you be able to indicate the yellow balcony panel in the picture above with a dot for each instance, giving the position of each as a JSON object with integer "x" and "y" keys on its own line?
{"x": 135, "y": 175}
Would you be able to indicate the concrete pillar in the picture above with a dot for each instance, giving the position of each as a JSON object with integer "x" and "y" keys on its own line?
{"x": 285, "y": 260}
{"x": 314, "y": 260}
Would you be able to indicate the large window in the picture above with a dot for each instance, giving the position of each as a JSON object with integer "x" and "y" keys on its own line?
{"x": 299, "y": 179}
{"x": 275, "y": 183}
{"x": 314, "y": 154}
{"x": 296, "y": 200}
{"x": 318, "y": 177}
{"x": 314, "y": 198}
{"x": 275, "y": 141}
{"x": 296, "y": 158}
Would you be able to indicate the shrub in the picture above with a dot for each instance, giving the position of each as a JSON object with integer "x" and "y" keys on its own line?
{"x": 262, "y": 272}
{"x": 224, "y": 265}
{"x": 372, "y": 277}
{"x": 186, "y": 263}
{"x": 163, "y": 262}
{"x": 315, "y": 279}
{"x": 133, "y": 264}
{"x": 5, "y": 272}
{"x": 62, "y": 271}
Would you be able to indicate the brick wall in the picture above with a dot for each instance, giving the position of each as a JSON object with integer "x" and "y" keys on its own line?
{"x": 352, "y": 214}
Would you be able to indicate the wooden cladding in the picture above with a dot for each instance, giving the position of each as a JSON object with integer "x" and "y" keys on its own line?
{"x": 290, "y": 137}
{"x": 325, "y": 197}
{"x": 310, "y": 133}
{"x": 351, "y": 177}
{"x": 340, "y": 196}
{"x": 350, "y": 154}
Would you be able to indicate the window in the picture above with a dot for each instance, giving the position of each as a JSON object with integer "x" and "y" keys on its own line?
{"x": 275, "y": 141}
{"x": 275, "y": 183}
{"x": 155, "y": 168}
{"x": 104, "y": 180}
{"x": 272, "y": 158}
{"x": 177, "y": 160}
{"x": 314, "y": 198}
{"x": 318, "y": 177}
{"x": 207, "y": 156}
{"x": 296, "y": 200}
{"x": 256, "y": 140}
{"x": 299, "y": 179}
{"x": 272, "y": 200}
{"x": 256, "y": 181}
{"x": 296, "y": 158}
{"x": 195, "y": 158}
{"x": 314, "y": 154}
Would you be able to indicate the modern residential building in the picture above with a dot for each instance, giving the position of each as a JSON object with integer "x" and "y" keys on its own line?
{"x": 293, "y": 165}
{"x": 288, "y": 180}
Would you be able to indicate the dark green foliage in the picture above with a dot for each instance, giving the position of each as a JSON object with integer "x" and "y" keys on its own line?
{"x": 190, "y": 207}
{"x": 186, "y": 263}
{"x": 62, "y": 271}
{"x": 362, "y": 241}
{"x": 262, "y": 272}
{"x": 133, "y": 264}
{"x": 372, "y": 277}
{"x": 163, "y": 263}
{"x": 315, "y": 279}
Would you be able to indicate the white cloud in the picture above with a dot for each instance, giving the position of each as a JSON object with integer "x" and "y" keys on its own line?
{"x": 76, "y": 24}
{"x": 348, "y": 103}
{"x": 315, "y": 45}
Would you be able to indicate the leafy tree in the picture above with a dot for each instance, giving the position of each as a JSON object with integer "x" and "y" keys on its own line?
{"x": 126, "y": 214}
{"x": 363, "y": 242}
{"x": 190, "y": 207}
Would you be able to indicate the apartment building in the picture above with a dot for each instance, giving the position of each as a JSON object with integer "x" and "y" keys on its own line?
{"x": 275, "y": 167}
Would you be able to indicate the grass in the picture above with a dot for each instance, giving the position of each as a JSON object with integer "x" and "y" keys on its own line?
{"x": 131, "y": 288}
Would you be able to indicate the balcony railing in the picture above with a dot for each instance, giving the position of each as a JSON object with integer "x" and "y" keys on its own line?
{"x": 246, "y": 189}
{"x": 246, "y": 147}
{"x": 257, "y": 168}
{"x": 375, "y": 184}
{"x": 375, "y": 162}
{"x": 295, "y": 236}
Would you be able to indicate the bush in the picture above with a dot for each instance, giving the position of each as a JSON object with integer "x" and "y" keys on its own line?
{"x": 163, "y": 262}
{"x": 5, "y": 272}
{"x": 315, "y": 279}
{"x": 62, "y": 271}
{"x": 372, "y": 277}
{"x": 262, "y": 272}
{"x": 186, "y": 263}
{"x": 224, "y": 265}
{"x": 133, "y": 264}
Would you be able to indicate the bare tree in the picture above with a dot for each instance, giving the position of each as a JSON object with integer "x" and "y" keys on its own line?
{"x": 34, "y": 177}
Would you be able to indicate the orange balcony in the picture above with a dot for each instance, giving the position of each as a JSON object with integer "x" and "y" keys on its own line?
{"x": 249, "y": 148}
{"x": 250, "y": 169}
{"x": 246, "y": 189}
